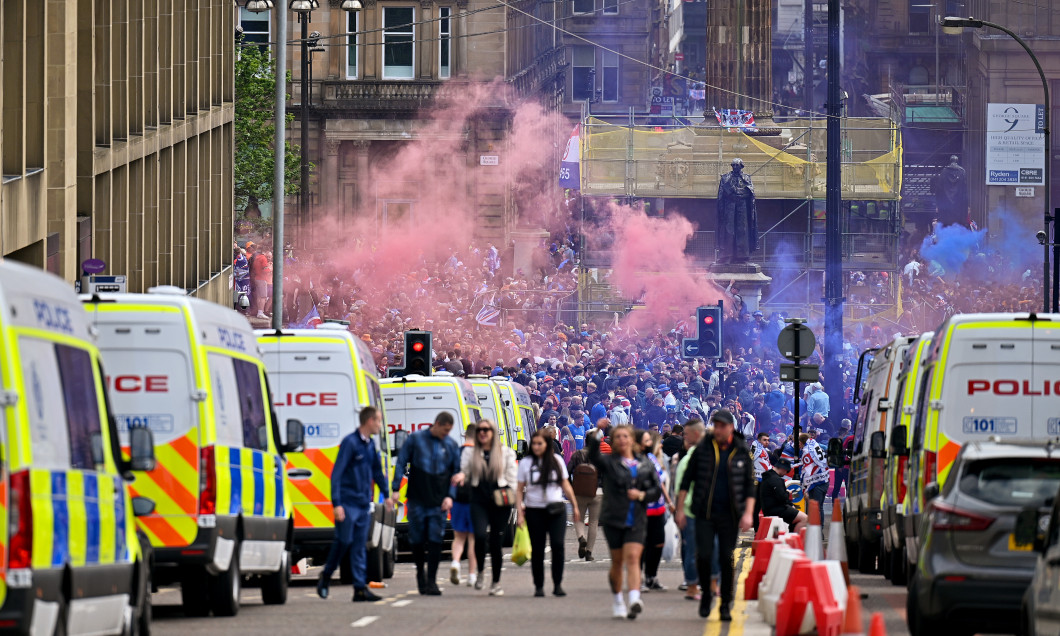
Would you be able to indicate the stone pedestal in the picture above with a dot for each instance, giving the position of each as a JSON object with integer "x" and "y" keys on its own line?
{"x": 526, "y": 244}
{"x": 748, "y": 278}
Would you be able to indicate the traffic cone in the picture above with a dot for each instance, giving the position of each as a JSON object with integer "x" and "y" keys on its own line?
{"x": 852, "y": 625}
{"x": 837, "y": 541}
{"x": 813, "y": 539}
{"x": 876, "y": 625}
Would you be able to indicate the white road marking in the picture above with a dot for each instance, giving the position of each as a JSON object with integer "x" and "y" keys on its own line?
{"x": 401, "y": 603}
{"x": 364, "y": 621}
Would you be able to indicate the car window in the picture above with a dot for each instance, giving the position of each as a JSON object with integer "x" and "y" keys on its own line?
{"x": 1016, "y": 482}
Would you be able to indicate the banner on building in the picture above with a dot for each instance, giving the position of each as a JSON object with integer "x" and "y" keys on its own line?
{"x": 736, "y": 120}
{"x": 1015, "y": 144}
{"x": 569, "y": 175}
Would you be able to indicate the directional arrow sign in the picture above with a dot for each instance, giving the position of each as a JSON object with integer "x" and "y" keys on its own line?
{"x": 690, "y": 348}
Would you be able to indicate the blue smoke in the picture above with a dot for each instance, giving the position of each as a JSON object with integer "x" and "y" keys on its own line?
{"x": 949, "y": 249}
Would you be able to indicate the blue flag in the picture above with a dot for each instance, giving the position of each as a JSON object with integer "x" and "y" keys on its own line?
{"x": 569, "y": 174}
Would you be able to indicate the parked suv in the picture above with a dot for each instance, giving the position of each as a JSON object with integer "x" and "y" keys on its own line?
{"x": 972, "y": 572}
{"x": 1041, "y": 602}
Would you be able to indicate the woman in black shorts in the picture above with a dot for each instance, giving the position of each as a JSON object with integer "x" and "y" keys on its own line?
{"x": 630, "y": 483}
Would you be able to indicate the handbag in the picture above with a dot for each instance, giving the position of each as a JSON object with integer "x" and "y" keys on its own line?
{"x": 556, "y": 508}
{"x": 504, "y": 496}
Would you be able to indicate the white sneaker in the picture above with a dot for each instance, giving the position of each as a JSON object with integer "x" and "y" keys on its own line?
{"x": 618, "y": 609}
{"x": 636, "y": 607}
{"x": 495, "y": 590}
{"x": 454, "y": 574}
{"x": 261, "y": 314}
{"x": 471, "y": 580}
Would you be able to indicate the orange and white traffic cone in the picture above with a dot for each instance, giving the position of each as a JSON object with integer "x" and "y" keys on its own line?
{"x": 837, "y": 541}
{"x": 876, "y": 625}
{"x": 852, "y": 623}
{"x": 813, "y": 540}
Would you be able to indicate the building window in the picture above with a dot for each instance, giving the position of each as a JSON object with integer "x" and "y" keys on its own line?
{"x": 396, "y": 213}
{"x": 610, "y": 86}
{"x": 398, "y": 45}
{"x": 611, "y": 7}
{"x": 445, "y": 50}
{"x": 584, "y": 75}
{"x": 351, "y": 45}
{"x": 919, "y": 16}
{"x": 583, "y": 6}
{"x": 255, "y": 27}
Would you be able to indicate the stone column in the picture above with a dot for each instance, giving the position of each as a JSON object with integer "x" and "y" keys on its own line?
{"x": 363, "y": 148}
{"x": 332, "y": 165}
{"x": 461, "y": 39}
{"x": 739, "y": 37}
{"x": 426, "y": 41}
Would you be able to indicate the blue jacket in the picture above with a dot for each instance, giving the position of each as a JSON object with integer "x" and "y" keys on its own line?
{"x": 598, "y": 411}
{"x": 430, "y": 463}
{"x": 356, "y": 467}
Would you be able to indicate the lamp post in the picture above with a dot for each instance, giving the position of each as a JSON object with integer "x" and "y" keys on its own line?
{"x": 954, "y": 26}
{"x": 280, "y": 118}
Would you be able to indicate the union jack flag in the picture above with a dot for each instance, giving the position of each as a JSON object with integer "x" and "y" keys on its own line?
{"x": 735, "y": 120}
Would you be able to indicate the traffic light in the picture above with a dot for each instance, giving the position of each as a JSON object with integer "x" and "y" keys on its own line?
{"x": 709, "y": 321}
{"x": 417, "y": 357}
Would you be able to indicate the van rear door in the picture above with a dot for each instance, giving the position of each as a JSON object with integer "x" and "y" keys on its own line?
{"x": 1046, "y": 380}
{"x": 988, "y": 376}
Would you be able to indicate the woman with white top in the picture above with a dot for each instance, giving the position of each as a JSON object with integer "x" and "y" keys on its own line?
{"x": 543, "y": 476}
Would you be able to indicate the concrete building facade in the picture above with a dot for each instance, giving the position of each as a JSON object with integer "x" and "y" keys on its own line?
{"x": 116, "y": 139}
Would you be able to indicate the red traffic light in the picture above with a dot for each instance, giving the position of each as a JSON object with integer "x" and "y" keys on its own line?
{"x": 708, "y": 320}
{"x": 417, "y": 346}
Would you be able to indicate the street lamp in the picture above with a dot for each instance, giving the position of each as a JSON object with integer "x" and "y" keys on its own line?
{"x": 954, "y": 26}
{"x": 302, "y": 7}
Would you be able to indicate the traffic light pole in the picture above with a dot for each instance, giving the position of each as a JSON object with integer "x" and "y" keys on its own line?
{"x": 833, "y": 273}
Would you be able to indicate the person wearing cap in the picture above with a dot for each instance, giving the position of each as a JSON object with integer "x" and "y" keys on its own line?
{"x": 723, "y": 501}
{"x": 773, "y": 494}
{"x": 669, "y": 399}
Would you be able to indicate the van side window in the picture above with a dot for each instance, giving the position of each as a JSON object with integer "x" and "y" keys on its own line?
{"x": 252, "y": 405}
{"x": 863, "y": 415}
{"x": 224, "y": 393}
{"x": 82, "y": 407}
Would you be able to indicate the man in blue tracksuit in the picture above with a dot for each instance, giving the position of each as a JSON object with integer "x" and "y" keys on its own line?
{"x": 356, "y": 468}
{"x": 432, "y": 460}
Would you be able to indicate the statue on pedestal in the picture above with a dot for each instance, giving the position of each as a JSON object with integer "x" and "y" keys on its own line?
{"x": 737, "y": 231}
{"x": 951, "y": 194}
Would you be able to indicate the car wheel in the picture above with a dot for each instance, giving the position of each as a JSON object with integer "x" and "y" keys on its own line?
{"x": 274, "y": 586}
{"x": 194, "y": 593}
{"x": 226, "y": 587}
{"x": 919, "y": 625}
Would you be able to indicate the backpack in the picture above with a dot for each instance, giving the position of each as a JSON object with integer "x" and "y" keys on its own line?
{"x": 584, "y": 480}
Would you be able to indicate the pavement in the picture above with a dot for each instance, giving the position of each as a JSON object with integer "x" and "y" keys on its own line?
{"x": 464, "y": 611}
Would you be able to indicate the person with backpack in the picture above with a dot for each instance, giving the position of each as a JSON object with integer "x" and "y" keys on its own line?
{"x": 585, "y": 482}
{"x": 541, "y": 484}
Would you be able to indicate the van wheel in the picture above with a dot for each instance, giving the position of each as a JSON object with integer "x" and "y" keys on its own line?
{"x": 142, "y": 613}
{"x": 867, "y": 554}
{"x": 274, "y": 586}
{"x": 389, "y": 560}
{"x": 195, "y": 593}
{"x": 374, "y": 565}
{"x": 226, "y": 587}
{"x": 886, "y": 561}
{"x": 899, "y": 567}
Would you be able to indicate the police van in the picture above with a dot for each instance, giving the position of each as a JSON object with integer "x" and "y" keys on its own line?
{"x": 518, "y": 406}
{"x": 412, "y": 402}
{"x": 985, "y": 375}
{"x": 862, "y": 514}
{"x": 190, "y": 371}
{"x": 323, "y": 377}
{"x": 492, "y": 406}
{"x": 896, "y": 485}
{"x": 70, "y": 558}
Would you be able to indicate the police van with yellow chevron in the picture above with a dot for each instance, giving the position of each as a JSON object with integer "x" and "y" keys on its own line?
{"x": 191, "y": 372}
{"x": 986, "y": 375}
{"x": 70, "y": 558}
{"x": 324, "y": 377}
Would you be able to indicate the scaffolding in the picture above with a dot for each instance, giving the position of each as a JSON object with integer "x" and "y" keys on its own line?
{"x": 672, "y": 158}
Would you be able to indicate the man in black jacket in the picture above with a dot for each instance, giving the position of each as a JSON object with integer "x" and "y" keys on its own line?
{"x": 773, "y": 495}
{"x": 723, "y": 501}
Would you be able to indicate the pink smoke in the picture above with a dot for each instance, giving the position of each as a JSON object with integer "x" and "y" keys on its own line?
{"x": 650, "y": 264}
